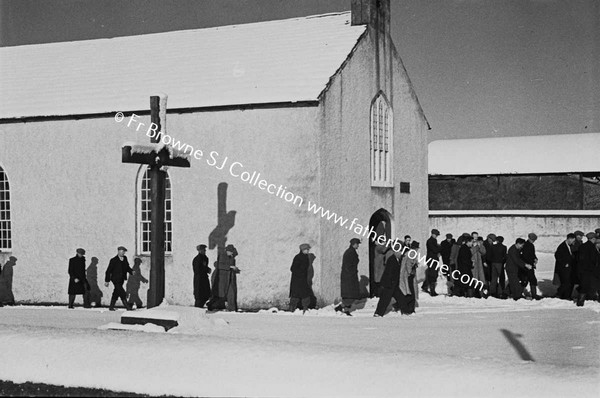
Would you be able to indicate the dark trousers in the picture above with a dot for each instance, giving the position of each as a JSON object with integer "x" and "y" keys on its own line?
{"x": 86, "y": 299}
{"x": 431, "y": 275}
{"x": 408, "y": 301}
{"x": 497, "y": 276}
{"x": 118, "y": 293}
{"x": 514, "y": 288}
{"x": 295, "y": 300}
{"x": 385, "y": 297}
{"x": 566, "y": 288}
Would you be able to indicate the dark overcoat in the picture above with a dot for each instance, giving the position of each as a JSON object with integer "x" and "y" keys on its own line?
{"x": 350, "y": 287}
{"x": 201, "y": 282}
{"x": 226, "y": 277}
{"x": 117, "y": 270}
{"x": 464, "y": 261}
{"x": 564, "y": 257}
{"x": 391, "y": 274}
{"x": 446, "y": 250}
{"x": 433, "y": 248}
{"x": 588, "y": 268}
{"x": 77, "y": 271}
{"x": 299, "y": 286}
{"x": 514, "y": 262}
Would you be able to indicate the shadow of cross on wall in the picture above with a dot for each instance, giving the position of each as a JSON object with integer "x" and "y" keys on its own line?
{"x": 225, "y": 221}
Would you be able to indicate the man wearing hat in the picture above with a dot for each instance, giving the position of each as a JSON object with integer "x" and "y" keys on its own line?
{"x": 349, "y": 286}
{"x": 78, "y": 283}
{"x": 226, "y": 281}
{"x": 431, "y": 273}
{"x": 300, "y": 290}
{"x": 588, "y": 264}
{"x": 118, "y": 268}
{"x": 201, "y": 282}
{"x": 562, "y": 268}
{"x": 579, "y": 235}
{"x": 446, "y": 251}
{"x": 529, "y": 257}
{"x": 390, "y": 284}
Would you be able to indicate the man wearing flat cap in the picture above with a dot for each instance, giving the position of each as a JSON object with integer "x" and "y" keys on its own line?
{"x": 588, "y": 268}
{"x": 431, "y": 273}
{"x": 349, "y": 285}
{"x": 118, "y": 268}
{"x": 528, "y": 255}
{"x": 300, "y": 290}
{"x": 78, "y": 283}
{"x": 201, "y": 272}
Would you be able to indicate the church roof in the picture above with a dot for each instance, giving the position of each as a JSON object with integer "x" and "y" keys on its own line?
{"x": 538, "y": 154}
{"x": 267, "y": 62}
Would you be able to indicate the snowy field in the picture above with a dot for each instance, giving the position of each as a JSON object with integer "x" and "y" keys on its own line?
{"x": 451, "y": 347}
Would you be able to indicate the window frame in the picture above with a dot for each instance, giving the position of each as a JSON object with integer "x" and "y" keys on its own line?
{"x": 381, "y": 133}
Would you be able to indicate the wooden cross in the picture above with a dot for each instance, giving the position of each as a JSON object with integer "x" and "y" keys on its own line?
{"x": 156, "y": 156}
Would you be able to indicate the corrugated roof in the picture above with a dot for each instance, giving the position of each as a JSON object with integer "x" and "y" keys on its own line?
{"x": 538, "y": 154}
{"x": 268, "y": 62}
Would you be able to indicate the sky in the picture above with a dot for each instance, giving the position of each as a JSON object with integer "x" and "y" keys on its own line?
{"x": 481, "y": 68}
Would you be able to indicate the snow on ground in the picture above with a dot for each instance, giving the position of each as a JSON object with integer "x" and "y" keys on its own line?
{"x": 451, "y": 347}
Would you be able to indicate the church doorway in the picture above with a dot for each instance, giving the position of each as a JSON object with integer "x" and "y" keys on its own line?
{"x": 381, "y": 222}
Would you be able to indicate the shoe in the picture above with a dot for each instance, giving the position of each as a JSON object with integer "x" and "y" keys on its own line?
{"x": 338, "y": 308}
{"x": 376, "y": 316}
{"x": 433, "y": 293}
{"x": 111, "y": 308}
{"x": 71, "y": 307}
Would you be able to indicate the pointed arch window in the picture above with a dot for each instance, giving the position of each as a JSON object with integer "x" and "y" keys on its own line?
{"x": 144, "y": 212}
{"x": 5, "y": 224}
{"x": 381, "y": 142}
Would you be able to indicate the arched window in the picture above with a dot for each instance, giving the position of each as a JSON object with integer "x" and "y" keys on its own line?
{"x": 144, "y": 210}
{"x": 5, "y": 227}
{"x": 381, "y": 142}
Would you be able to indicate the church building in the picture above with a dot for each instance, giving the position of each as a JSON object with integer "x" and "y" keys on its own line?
{"x": 287, "y": 122}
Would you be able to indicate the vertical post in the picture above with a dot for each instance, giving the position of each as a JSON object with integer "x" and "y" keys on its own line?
{"x": 156, "y": 291}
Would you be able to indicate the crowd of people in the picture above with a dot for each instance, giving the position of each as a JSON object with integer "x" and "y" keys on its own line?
{"x": 493, "y": 269}
{"x": 507, "y": 271}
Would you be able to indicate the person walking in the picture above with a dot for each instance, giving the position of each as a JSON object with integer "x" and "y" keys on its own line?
{"x": 201, "y": 281}
{"x": 528, "y": 255}
{"x": 562, "y": 267}
{"x": 496, "y": 257}
{"x": 349, "y": 284}
{"x": 78, "y": 283}
{"x": 118, "y": 268}
{"x": 514, "y": 263}
{"x": 431, "y": 273}
{"x": 445, "y": 252}
{"x": 478, "y": 254}
{"x": 464, "y": 265}
{"x": 390, "y": 281}
{"x": 226, "y": 280}
{"x": 300, "y": 290}
{"x": 588, "y": 268}
{"x": 409, "y": 289}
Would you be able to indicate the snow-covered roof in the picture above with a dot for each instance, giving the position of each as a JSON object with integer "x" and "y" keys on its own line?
{"x": 267, "y": 62}
{"x": 539, "y": 154}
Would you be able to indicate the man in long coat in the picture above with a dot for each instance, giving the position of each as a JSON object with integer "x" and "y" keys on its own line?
{"x": 464, "y": 265}
{"x": 562, "y": 267}
{"x": 390, "y": 284}
{"x": 201, "y": 282}
{"x": 226, "y": 280}
{"x": 118, "y": 268}
{"x": 588, "y": 268}
{"x": 478, "y": 253}
{"x": 78, "y": 283}
{"x": 514, "y": 265}
{"x": 300, "y": 290}
{"x": 349, "y": 286}
{"x": 409, "y": 289}
{"x": 431, "y": 273}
